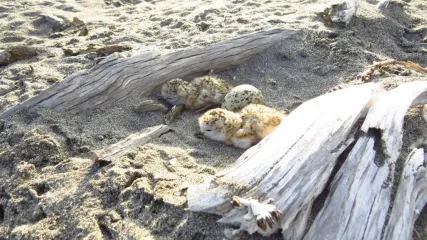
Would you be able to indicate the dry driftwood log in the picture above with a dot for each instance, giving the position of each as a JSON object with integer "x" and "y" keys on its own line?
{"x": 410, "y": 198}
{"x": 337, "y": 219}
{"x": 360, "y": 194}
{"x": 291, "y": 166}
{"x": 383, "y": 4}
{"x": 341, "y": 12}
{"x": 122, "y": 147}
{"x": 117, "y": 78}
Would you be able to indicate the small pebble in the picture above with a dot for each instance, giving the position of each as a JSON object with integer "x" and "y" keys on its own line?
{"x": 84, "y": 31}
{"x": 77, "y": 22}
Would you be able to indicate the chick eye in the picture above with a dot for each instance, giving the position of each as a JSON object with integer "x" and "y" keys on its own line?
{"x": 208, "y": 130}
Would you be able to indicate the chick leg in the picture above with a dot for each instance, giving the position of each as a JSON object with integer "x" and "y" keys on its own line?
{"x": 173, "y": 113}
{"x": 204, "y": 108}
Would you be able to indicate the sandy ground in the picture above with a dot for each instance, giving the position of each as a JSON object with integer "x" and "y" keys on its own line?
{"x": 49, "y": 189}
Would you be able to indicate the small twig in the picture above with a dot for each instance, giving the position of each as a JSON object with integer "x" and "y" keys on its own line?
{"x": 366, "y": 75}
{"x": 105, "y": 50}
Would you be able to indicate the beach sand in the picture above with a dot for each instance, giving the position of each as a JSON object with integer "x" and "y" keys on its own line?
{"x": 49, "y": 187}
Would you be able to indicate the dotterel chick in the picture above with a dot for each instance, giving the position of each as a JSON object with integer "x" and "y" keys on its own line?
{"x": 220, "y": 125}
{"x": 179, "y": 92}
{"x": 211, "y": 91}
{"x": 241, "y": 96}
{"x": 200, "y": 93}
{"x": 243, "y": 129}
{"x": 258, "y": 122}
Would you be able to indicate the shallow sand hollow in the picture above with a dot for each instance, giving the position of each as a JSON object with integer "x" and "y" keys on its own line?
{"x": 50, "y": 189}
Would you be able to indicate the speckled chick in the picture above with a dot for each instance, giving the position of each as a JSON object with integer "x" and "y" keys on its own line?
{"x": 220, "y": 125}
{"x": 241, "y": 96}
{"x": 179, "y": 92}
{"x": 211, "y": 91}
{"x": 258, "y": 122}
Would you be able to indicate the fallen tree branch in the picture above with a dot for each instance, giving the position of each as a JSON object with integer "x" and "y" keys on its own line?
{"x": 117, "y": 78}
{"x": 119, "y": 149}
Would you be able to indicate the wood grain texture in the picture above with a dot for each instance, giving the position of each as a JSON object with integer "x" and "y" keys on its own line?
{"x": 132, "y": 141}
{"x": 291, "y": 165}
{"x": 410, "y": 199}
{"x": 356, "y": 189}
{"x": 360, "y": 196}
{"x": 117, "y": 78}
{"x": 388, "y": 114}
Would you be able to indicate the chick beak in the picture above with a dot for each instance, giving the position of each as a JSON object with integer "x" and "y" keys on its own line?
{"x": 199, "y": 135}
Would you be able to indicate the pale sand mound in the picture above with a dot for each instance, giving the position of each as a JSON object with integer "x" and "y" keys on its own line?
{"x": 48, "y": 187}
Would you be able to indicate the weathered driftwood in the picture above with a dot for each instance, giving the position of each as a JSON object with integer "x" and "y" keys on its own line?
{"x": 358, "y": 185}
{"x": 292, "y": 165}
{"x": 117, "y": 78}
{"x": 389, "y": 112}
{"x": 360, "y": 195}
{"x": 383, "y": 4}
{"x": 341, "y": 12}
{"x": 410, "y": 198}
{"x": 107, "y": 155}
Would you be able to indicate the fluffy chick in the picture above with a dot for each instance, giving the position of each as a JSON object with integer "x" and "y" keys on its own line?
{"x": 179, "y": 92}
{"x": 258, "y": 122}
{"x": 211, "y": 91}
{"x": 220, "y": 125}
{"x": 243, "y": 129}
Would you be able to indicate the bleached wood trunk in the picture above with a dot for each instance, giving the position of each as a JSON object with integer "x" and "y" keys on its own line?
{"x": 117, "y": 78}
{"x": 358, "y": 186}
{"x": 342, "y": 11}
{"x": 411, "y": 197}
{"x": 360, "y": 195}
{"x": 292, "y": 165}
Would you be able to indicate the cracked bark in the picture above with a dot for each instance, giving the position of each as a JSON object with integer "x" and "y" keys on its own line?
{"x": 292, "y": 165}
{"x": 411, "y": 197}
{"x": 116, "y": 78}
{"x": 360, "y": 196}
